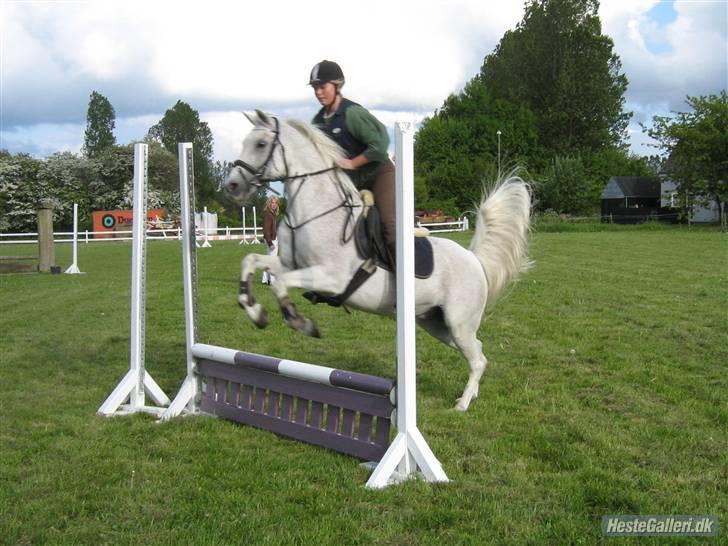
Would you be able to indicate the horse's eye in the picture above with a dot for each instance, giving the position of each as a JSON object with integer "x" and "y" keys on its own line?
{"x": 262, "y": 144}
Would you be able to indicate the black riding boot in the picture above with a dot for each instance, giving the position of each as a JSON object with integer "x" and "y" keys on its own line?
{"x": 392, "y": 251}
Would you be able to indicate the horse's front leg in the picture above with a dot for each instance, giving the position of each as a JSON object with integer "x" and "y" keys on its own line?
{"x": 316, "y": 278}
{"x": 246, "y": 297}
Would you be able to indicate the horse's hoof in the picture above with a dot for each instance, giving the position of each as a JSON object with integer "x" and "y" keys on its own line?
{"x": 243, "y": 300}
{"x": 257, "y": 314}
{"x": 262, "y": 321}
{"x": 310, "y": 329}
{"x": 461, "y": 405}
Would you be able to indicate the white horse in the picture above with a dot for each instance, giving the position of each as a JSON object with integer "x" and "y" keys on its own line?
{"x": 316, "y": 251}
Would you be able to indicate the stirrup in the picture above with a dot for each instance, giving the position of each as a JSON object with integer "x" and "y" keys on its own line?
{"x": 315, "y": 297}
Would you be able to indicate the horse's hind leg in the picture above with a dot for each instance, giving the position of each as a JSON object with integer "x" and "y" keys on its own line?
{"x": 472, "y": 349}
{"x": 463, "y": 339}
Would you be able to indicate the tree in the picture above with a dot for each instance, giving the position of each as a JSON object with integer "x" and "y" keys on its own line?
{"x": 110, "y": 185}
{"x": 66, "y": 177}
{"x": 558, "y": 63}
{"x": 181, "y": 123}
{"x": 613, "y": 161}
{"x": 20, "y": 190}
{"x": 100, "y": 123}
{"x": 696, "y": 146}
{"x": 456, "y": 151}
{"x": 567, "y": 188}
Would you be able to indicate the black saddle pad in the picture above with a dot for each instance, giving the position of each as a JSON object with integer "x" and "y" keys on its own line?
{"x": 424, "y": 259}
{"x": 370, "y": 244}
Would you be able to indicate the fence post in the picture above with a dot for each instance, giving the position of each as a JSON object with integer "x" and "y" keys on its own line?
{"x": 46, "y": 250}
{"x": 73, "y": 269}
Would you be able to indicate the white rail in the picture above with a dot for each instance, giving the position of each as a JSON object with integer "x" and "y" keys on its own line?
{"x": 444, "y": 227}
{"x": 248, "y": 235}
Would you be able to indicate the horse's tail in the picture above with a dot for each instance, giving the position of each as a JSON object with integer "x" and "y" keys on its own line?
{"x": 501, "y": 233}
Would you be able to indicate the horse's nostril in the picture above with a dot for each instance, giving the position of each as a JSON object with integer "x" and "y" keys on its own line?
{"x": 232, "y": 186}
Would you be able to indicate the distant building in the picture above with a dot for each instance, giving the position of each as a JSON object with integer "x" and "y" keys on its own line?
{"x": 702, "y": 210}
{"x": 631, "y": 199}
{"x": 634, "y": 199}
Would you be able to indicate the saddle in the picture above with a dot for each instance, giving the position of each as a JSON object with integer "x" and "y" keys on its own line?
{"x": 369, "y": 238}
{"x": 371, "y": 247}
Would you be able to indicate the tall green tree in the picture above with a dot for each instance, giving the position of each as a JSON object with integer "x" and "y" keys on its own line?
{"x": 100, "y": 123}
{"x": 456, "y": 150}
{"x": 558, "y": 63}
{"x": 181, "y": 123}
{"x": 696, "y": 146}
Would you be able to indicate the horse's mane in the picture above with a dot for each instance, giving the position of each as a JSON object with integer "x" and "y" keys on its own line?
{"x": 329, "y": 150}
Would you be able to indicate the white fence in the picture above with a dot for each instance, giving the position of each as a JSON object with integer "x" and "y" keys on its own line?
{"x": 445, "y": 227}
{"x": 247, "y": 235}
{"x": 221, "y": 234}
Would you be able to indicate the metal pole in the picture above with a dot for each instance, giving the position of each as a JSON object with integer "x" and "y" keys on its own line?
{"x": 137, "y": 381}
{"x": 243, "y": 241}
{"x": 409, "y": 452}
{"x": 187, "y": 397}
{"x": 73, "y": 269}
{"x": 139, "y": 271}
{"x": 256, "y": 241}
{"x": 499, "y": 161}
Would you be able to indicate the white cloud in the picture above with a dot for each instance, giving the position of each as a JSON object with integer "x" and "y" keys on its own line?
{"x": 401, "y": 58}
{"x": 229, "y": 129}
{"x": 695, "y": 63}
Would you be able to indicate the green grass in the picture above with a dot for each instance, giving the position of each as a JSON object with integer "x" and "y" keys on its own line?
{"x": 606, "y": 393}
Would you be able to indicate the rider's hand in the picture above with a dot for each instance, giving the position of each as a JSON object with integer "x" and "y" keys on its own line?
{"x": 346, "y": 164}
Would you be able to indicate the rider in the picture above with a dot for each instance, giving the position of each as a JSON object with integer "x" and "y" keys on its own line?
{"x": 364, "y": 139}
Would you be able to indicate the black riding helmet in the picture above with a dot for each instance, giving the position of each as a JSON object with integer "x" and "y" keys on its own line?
{"x": 327, "y": 71}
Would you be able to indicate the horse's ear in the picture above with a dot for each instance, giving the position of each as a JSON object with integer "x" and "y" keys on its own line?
{"x": 264, "y": 119}
{"x": 252, "y": 118}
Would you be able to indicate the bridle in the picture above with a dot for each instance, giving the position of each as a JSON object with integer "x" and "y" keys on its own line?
{"x": 259, "y": 172}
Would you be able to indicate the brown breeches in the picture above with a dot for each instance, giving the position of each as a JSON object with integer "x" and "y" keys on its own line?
{"x": 383, "y": 188}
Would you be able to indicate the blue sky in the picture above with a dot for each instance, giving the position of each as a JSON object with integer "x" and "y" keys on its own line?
{"x": 663, "y": 14}
{"x": 224, "y": 57}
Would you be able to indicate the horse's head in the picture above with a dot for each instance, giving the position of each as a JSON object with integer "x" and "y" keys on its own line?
{"x": 260, "y": 162}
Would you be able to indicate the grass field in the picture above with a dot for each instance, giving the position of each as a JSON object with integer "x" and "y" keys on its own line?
{"x": 606, "y": 393}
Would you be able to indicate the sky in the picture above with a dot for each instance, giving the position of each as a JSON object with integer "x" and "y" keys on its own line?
{"x": 402, "y": 58}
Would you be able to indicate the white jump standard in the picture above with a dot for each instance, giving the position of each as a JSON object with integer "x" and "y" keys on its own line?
{"x": 73, "y": 268}
{"x": 137, "y": 381}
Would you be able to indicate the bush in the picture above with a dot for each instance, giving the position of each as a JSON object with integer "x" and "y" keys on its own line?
{"x": 567, "y": 188}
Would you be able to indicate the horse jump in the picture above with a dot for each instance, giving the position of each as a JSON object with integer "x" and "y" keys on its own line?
{"x": 345, "y": 411}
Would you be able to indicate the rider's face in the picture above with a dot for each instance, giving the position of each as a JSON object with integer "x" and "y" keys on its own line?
{"x": 325, "y": 93}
